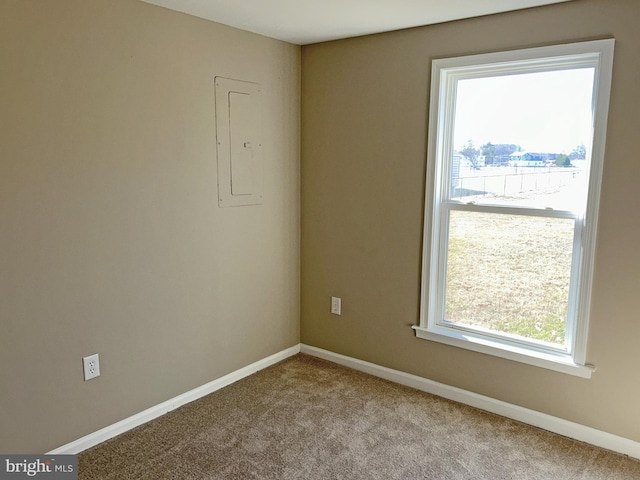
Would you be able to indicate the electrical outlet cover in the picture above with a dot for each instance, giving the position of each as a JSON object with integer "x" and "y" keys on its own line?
{"x": 336, "y": 305}
{"x": 91, "y": 366}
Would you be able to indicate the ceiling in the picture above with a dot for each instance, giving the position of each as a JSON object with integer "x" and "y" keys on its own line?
{"x": 310, "y": 21}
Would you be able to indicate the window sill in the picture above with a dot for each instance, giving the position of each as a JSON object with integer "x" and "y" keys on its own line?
{"x": 557, "y": 362}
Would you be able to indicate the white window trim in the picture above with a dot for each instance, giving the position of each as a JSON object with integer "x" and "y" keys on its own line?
{"x": 445, "y": 73}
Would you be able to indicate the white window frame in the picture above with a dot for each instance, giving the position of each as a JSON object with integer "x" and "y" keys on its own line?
{"x": 445, "y": 74}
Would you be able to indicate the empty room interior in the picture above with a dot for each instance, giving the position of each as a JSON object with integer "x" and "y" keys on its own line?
{"x": 136, "y": 224}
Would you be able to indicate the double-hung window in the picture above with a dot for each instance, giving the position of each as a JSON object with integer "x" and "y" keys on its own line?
{"x": 515, "y": 155}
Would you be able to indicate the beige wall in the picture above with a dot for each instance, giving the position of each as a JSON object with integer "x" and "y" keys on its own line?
{"x": 364, "y": 123}
{"x": 111, "y": 239}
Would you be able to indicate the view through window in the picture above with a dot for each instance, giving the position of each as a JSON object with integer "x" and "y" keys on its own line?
{"x": 519, "y": 140}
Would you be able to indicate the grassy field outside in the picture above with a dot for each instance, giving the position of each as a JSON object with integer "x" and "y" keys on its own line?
{"x": 501, "y": 279}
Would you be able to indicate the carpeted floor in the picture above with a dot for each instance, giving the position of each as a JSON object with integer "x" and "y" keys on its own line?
{"x": 305, "y": 418}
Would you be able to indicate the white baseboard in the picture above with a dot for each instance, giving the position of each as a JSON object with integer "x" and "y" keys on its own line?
{"x": 525, "y": 415}
{"x": 122, "y": 426}
{"x": 547, "y": 422}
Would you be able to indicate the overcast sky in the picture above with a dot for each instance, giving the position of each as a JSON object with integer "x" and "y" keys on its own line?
{"x": 546, "y": 112}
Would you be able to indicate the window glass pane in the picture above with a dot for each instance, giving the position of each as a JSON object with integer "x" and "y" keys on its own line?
{"x": 522, "y": 140}
{"x": 509, "y": 274}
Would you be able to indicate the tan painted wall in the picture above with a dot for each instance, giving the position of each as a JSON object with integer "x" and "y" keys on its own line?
{"x": 364, "y": 123}
{"x": 111, "y": 239}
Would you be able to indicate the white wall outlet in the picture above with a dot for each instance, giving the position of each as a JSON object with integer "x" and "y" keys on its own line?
{"x": 91, "y": 366}
{"x": 336, "y": 305}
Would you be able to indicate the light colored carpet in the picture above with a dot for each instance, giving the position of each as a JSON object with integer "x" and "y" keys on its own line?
{"x": 305, "y": 418}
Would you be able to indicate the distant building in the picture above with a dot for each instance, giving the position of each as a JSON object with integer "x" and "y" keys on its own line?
{"x": 455, "y": 172}
{"x": 527, "y": 159}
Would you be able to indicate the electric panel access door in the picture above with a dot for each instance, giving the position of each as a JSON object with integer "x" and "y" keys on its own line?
{"x": 239, "y": 142}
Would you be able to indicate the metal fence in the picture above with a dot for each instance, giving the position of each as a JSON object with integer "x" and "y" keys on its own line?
{"x": 510, "y": 181}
